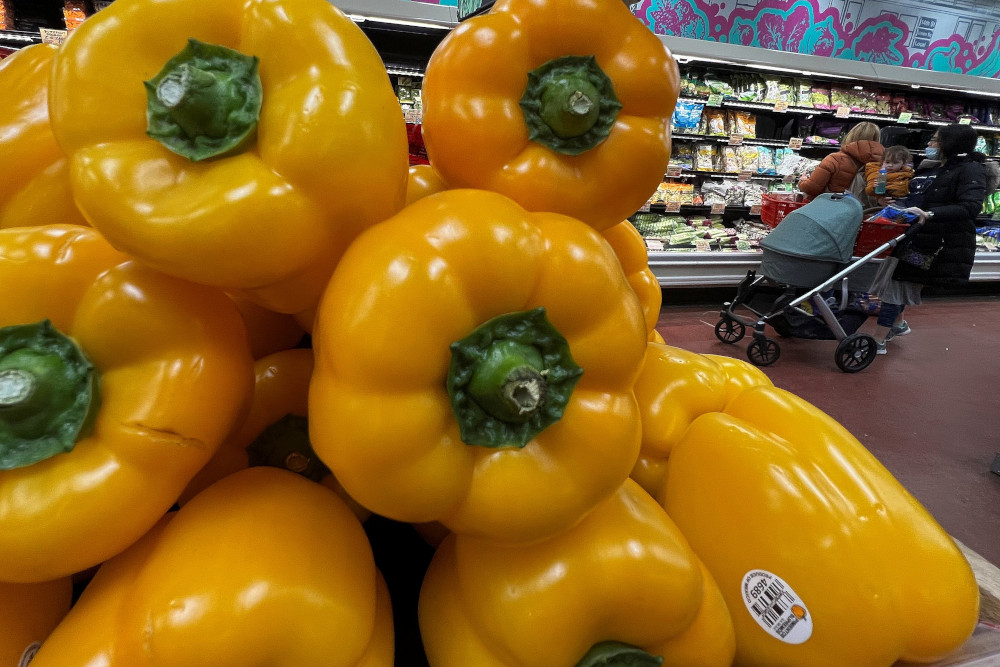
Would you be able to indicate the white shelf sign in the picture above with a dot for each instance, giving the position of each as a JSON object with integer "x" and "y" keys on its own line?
{"x": 781, "y": 106}
{"x": 843, "y": 112}
{"x": 735, "y": 139}
{"x": 673, "y": 172}
{"x": 744, "y": 176}
{"x": 795, "y": 143}
{"x": 718, "y": 208}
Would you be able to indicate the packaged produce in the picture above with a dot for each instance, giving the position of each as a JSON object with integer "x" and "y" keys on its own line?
{"x": 683, "y": 155}
{"x": 499, "y": 481}
{"x": 803, "y": 93}
{"x": 35, "y": 188}
{"x": 735, "y": 191}
{"x": 765, "y": 160}
{"x": 883, "y": 103}
{"x": 747, "y": 156}
{"x": 263, "y": 206}
{"x": 598, "y": 169}
{"x": 687, "y": 117}
{"x": 138, "y": 355}
{"x": 730, "y": 159}
{"x": 820, "y": 97}
{"x": 714, "y": 192}
{"x": 263, "y": 567}
{"x": 718, "y": 85}
{"x": 715, "y": 122}
{"x": 785, "y": 506}
{"x": 707, "y": 157}
{"x": 657, "y": 602}
{"x": 742, "y": 122}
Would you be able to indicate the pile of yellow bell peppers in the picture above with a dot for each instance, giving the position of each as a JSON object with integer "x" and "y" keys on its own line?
{"x": 186, "y": 476}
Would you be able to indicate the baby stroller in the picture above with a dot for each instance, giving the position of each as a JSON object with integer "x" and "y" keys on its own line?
{"x": 802, "y": 291}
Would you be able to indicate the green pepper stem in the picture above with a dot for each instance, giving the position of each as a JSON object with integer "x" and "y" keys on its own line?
{"x": 570, "y": 106}
{"x": 508, "y": 382}
{"x": 618, "y": 654}
{"x": 17, "y": 387}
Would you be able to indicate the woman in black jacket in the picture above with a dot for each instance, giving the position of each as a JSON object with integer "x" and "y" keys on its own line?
{"x": 946, "y": 211}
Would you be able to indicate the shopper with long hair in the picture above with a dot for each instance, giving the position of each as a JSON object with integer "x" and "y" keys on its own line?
{"x": 838, "y": 172}
{"x": 941, "y": 252}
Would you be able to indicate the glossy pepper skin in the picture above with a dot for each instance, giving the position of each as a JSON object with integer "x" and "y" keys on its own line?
{"x": 674, "y": 388}
{"x": 380, "y": 411}
{"x": 630, "y": 248}
{"x": 423, "y": 181}
{"x": 475, "y": 127}
{"x": 773, "y": 484}
{"x": 624, "y": 573}
{"x": 262, "y": 569}
{"x": 281, "y": 389}
{"x": 328, "y": 159}
{"x": 269, "y": 331}
{"x": 28, "y": 613}
{"x": 35, "y": 189}
{"x": 164, "y": 350}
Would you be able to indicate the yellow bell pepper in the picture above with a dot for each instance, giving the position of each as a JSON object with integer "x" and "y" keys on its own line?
{"x": 561, "y": 105}
{"x": 824, "y": 559}
{"x": 106, "y": 369}
{"x": 275, "y": 431}
{"x": 35, "y": 186}
{"x": 673, "y": 389}
{"x": 278, "y": 138}
{"x": 28, "y": 613}
{"x": 623, "y": 582}
{"x": 630, "y": 248}
{"x": 269, "y": 331}
{"x": 423, "y": 181}
{"x": 507, "y": 409}
{"x": 262, "y": 569}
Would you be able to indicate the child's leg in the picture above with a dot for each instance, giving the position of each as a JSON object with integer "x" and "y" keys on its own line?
{"x": 888, "y": 314}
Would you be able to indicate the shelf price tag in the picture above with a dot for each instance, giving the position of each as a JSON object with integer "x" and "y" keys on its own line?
{"x": 412, "y": 116}
{"x": 965, "y": 121}
{"x": 702, "y": 245}
{"x": 735, "y": 139}
{"x": 755, "y": 209}
{"x": 654, "y": 245}
{"x": 905, "y": 117}
{"x": 843, "y": 112}
{"x": 788, "y": 178}
{"x": 52, "y": 36}
{"x": 995, "y": 216}
{"x": 795, "y": 143}
{"x": 718, "y": 208}
{"x": 673, "y": 207}
{"x": 744, "y": 176}
{"x": 714, "y": 100}
{"x": 673, "y": 172}
{"x": 781, "y": 106}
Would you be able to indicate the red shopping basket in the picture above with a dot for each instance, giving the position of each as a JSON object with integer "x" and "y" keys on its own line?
{"x": 874, "y": 233}
{"x": 776, "y": 206}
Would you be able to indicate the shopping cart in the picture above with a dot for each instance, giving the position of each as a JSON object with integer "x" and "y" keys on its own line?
{"x": 802, "y": 290}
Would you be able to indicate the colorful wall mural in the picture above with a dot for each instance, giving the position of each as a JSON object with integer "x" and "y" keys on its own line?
{"x": 939, "y": 35}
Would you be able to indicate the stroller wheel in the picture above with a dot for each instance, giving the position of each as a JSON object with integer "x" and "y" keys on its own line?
{"x": 856, "y": 353}
{"x": 729, "y": 331}
{"x": 763, "y": 352}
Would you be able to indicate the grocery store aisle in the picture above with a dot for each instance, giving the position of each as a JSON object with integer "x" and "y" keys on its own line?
{"x": 926, "y": 410}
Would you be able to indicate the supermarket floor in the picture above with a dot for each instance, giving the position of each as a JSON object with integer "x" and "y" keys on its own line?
{"x": 927, "y": 409}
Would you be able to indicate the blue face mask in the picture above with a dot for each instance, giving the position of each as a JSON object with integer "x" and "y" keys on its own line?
{"x": 932, "y": 152}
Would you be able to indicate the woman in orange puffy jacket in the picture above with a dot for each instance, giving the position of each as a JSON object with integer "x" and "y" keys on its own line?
{"x": 837, "y": 171}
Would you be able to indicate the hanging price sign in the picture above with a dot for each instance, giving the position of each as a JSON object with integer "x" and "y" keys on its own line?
{"x": 735, "y": 139}
{"x": 755, "y": 210}
{"x": 715, "y": 100}
{"x": 673, "y": 172}
{"x": 795, "y": 143}
{"x": 843, "y": 112}
{"x": 718, "y": 208}
{"x": 744, "y": 176}
{"x": 781, "y": 106}
{"x": 673, "y": 207}
{"x": 905, "y": 117}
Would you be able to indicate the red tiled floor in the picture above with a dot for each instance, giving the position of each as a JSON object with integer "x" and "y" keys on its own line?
{"x": 926, "y": 410}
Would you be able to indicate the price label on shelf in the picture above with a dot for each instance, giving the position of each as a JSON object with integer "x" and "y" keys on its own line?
{"x": 718, "y": 208}
{"x": 52, "y": 36}
{"x": 654, "y": 245}
{"x": 788, "y": 178}
{"x": 702, "y": 245}
{"x": 795, "y": 143}
{"x": 781, "y": 106}
{"x": 905, "y": 117}
{"x": 412, "y": 116}
{"x": 965, "y": 121}
{"x": 715, "y": 100}
{"x": 673, "y": 172}
{"x": 744, "y": 176}
{"x": 755, "y": 209}
{"x": 673, "y": 207}
{"x": 843, "y": 112}
{"x": 735, "y": 139}
{"x": 996, "y": 216}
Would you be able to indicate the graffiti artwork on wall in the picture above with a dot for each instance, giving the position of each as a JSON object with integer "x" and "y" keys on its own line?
{"x": 934, "y": 34}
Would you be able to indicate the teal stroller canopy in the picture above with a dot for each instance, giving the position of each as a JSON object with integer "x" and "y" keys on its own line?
{"x": 824, "y": 229}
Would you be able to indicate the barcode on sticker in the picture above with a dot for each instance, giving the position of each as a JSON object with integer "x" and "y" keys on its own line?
{"x": 776, "y": 607}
